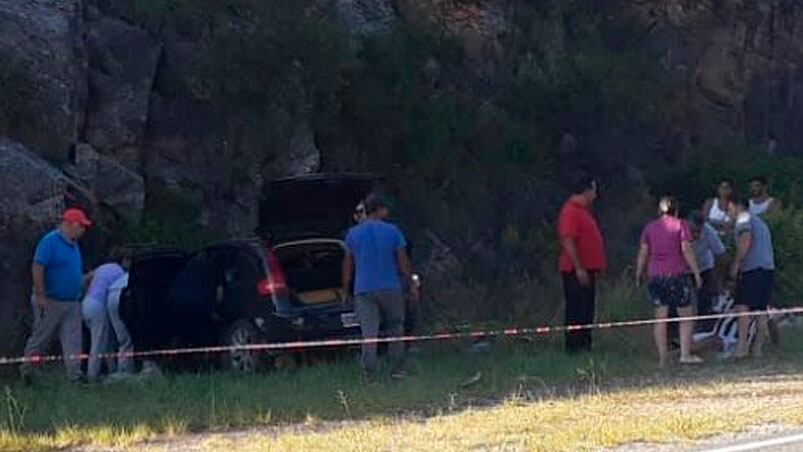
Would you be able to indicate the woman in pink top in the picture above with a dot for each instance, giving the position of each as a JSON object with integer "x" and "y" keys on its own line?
{"x": 667, "y": 254}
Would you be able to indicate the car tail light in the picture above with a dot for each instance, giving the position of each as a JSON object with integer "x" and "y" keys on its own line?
{"x": 275, "y": 283}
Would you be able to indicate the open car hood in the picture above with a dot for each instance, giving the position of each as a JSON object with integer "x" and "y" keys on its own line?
{"x": 317, "y": 205}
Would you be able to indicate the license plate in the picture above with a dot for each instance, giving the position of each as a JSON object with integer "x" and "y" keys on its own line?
{"x": 349, "y": 320}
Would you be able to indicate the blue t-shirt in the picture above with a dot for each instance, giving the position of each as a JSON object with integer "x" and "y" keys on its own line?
{"x": 63, "y": 266}
{"x": 761, "y": 255}
{"x": 374, "y": 245}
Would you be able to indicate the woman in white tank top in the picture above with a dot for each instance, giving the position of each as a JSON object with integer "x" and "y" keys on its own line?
{"x": 717, "y": 210}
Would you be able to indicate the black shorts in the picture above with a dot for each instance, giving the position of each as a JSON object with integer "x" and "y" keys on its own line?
{"x": 672, "y": 291}
{"x": 754, "y": 289}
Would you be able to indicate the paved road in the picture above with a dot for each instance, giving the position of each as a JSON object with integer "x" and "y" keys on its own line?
{"x": 771, "y": 438}
{"x": 786, "y": 442}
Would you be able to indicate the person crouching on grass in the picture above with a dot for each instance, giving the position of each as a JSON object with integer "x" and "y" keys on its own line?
{"x": 753, "y": 271}
{"x": 667, "y": 254}
{"x": 95, "y": 313}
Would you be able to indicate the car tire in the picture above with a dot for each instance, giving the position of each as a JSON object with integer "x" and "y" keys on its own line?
{"x": 243, "y": 332}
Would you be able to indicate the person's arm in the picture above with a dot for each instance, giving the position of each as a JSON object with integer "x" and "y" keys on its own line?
{"x": 775, "y": 205}
{"x": 39, "y": 294}
{"x": 730, "y": 222}
{"x": 404, "y": 264}
{"x": 347, "y": 272}
{"x": 689, "y": 255}
{"x": 641, "y": 262}
{"x": 742, "y": 248}
{"x": 570, "y": 246}
{"x": 41, "y": 259}
{"x": 406, "y": 270}
{"x": 714, "y": 242}
{"x": 707, "y": 207}
{"x": 691, "y": 261}
{"x": 87, "y": 279}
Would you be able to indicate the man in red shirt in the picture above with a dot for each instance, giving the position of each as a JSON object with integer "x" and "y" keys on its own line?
{"x": 581, "y": 259}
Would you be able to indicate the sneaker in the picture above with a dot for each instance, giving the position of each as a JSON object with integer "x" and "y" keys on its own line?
{"x": 479, "y": 346}
{"x": 118, "y": 376}
{"x": 399, "y": 375}
{"x": 150, "y": 368}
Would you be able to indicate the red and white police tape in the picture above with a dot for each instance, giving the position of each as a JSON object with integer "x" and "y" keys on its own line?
{"x": 337, "y": 343}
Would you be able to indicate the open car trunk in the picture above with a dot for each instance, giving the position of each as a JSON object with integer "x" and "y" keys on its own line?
{"x": 312, "y": 269}
{"x": 312, "y": 206}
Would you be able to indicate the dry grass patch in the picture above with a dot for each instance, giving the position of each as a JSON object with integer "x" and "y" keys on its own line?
{"x": 580, "y": 423}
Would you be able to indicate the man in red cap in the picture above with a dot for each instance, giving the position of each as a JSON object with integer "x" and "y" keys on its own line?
{"x": 58, "y": 281}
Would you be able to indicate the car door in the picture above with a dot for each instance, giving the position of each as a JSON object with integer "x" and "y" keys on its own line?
{"x": 144, "y": 307}
{"x": 241, "y": 277}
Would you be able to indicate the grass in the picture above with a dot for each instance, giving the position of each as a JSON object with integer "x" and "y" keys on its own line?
{"x": 56, "y": 415}
{"x": 587, "y": 422}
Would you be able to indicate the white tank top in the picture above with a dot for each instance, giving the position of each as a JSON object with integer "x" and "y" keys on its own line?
{"x": 758, "y": 208}
{"x": 718, "y": 215}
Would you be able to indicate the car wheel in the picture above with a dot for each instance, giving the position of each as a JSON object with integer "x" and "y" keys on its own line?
{"x": 242, "y": 332}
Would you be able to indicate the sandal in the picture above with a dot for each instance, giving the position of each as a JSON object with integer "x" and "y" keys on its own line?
{"x": 692, "y": 360}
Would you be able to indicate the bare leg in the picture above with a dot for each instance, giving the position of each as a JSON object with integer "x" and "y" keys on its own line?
{"x": 761, "y": 335}
{"x": 659, "y": 331}
{"x": 686, "y": 330}
{"x": 742, "y": 348}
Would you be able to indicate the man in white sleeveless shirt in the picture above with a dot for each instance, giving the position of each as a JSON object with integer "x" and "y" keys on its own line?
{"x": 760, "y": 200}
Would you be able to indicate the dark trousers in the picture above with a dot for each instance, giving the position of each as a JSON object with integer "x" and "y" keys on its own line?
{"x": 580, "y": 305}
{"x": 705, "y": 298}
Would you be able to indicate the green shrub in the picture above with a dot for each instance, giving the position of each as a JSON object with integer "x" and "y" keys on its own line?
{"x": 620, "y": 300}
{"x": 787, "y": 237}
{"x": 171, "y": 219}
{"x": 695, "y": 179}
{"x": 151, "y": 230}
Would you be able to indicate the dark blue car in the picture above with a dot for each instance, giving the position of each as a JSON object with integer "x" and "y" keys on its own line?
{"x": 282, "y": 287}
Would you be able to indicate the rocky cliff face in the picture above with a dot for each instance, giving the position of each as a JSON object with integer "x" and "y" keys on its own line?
{"x": 739, "y": 62}
{"x": 99, "y": 104}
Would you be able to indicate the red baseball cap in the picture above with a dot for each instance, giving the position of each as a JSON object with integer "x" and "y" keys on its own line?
{"x": 76, "y": 216}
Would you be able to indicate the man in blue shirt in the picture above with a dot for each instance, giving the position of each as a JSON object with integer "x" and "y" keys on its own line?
{"x": 753, "y": 271}
{"x": 377, "y": 251}
{"x": 58, "y": 282}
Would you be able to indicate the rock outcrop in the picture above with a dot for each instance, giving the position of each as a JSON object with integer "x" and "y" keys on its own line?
{"x": 112, "y": 185}
{"x": 122, "y": 66}
{"x": 44, "y": 41}
{"x": 366, "y": 16}
{"x": 33, "y": 194}
{"x": 739, "y": 63}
